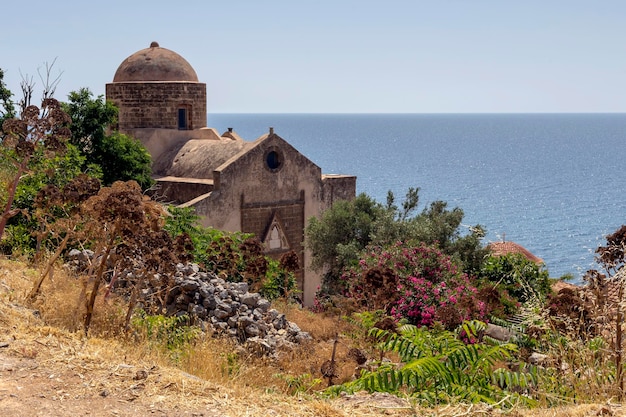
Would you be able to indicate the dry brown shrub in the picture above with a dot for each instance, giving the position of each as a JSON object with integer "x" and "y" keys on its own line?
{"x": 223, "y": 362}
{"x": 324, "y": 409}
{"x": 569, "y": 314}
{"x": 379, "y": 288}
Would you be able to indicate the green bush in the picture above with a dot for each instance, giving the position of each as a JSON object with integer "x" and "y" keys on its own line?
{"x": 436, "y": 367}
{"x": 234, "y": 256}
{"x": 170, "y": 333}
{"x": 44, "y": 171}
{"x": 118, "y": 156}
{"x": 521, "y": 278}
{"x": 278, "y": 281}
{"x": 18, "y": 240}
{"x": 337, "y": 239}
{"x": 124, "y": 158}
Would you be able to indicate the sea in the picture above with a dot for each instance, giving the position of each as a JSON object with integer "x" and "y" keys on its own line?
{"x": 554, "y": 183}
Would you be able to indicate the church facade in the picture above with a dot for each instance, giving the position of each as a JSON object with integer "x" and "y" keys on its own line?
{"x": 265, "y": 186}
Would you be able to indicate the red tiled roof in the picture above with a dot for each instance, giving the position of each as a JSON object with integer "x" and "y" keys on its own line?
{"x": 504, "y": 248}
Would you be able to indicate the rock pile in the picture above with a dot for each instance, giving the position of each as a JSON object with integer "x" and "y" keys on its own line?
{"x": 79, "y": 259}
{"x": 229, "y": 308}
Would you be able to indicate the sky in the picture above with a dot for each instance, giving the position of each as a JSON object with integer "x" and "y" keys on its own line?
{"x": 339, "y": 56}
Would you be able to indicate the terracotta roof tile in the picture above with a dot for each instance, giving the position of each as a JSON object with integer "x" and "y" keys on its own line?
{"x": 504, "y": 248}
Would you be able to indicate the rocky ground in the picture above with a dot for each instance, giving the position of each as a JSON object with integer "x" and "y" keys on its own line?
{"x": 29, "y": 388}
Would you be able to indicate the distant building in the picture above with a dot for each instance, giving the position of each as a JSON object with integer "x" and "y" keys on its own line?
{"x": 265, "y": 187}
{"x": 505, "y": 248}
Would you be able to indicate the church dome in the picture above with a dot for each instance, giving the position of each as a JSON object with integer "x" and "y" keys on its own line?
{"x": 155, "y": 64}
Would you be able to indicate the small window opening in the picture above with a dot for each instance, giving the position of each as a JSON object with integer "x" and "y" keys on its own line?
{"x": 273, "y": 160}
{"x": 183, "y": 119}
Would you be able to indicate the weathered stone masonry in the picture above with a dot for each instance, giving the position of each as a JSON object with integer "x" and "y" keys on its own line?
{"x": 156, "y": 104}
{"x": 258, "y": 219}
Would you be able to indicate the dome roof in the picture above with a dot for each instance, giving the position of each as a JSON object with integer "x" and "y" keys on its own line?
{"x": 155, "y": 64}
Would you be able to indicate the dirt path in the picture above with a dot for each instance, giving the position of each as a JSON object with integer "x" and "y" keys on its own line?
{"x": 31, "y": 388}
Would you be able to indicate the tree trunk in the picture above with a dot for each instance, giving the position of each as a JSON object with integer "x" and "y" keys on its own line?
{"x": 37, "y": 287}
{"x": 11, "y": 189}
{"x": 133, "y": 301}
{"x": 96, "y": 285}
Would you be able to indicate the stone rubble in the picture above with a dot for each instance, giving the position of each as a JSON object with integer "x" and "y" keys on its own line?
{"x": 229, "y": 308}
{"x": 226, "y": 308}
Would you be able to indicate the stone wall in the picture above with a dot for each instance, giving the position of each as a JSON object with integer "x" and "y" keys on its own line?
{"x": 338, "y": 187}
{"x": 179, "y": 192}
{"x": 256, "y": 218}
{"x": 215, "y": 305}
{"x": 156, "y": 104}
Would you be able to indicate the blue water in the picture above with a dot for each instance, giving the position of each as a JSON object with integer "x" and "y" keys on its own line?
{"x": 550, "y": 182}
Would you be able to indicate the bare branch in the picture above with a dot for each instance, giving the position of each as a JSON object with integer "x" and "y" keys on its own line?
{"x": 27, "y": 85}
{"x": 49, "y": 84}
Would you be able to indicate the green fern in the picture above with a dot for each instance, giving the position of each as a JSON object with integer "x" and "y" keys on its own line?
{"x": 438, "y": 367}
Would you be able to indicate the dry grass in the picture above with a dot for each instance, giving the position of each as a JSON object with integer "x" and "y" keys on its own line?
{"x": 211, "y": 376}
{"x": 320, "y": 326}
{"x": 221, "y": 360}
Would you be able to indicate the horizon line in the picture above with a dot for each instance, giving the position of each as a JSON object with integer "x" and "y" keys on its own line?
{"x": 428, "y": 113}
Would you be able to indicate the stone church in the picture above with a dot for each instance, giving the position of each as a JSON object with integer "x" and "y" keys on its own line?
{"x": 265, "y": 186}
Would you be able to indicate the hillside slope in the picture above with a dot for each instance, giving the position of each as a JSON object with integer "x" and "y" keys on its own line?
{"x": 49, "y": 371}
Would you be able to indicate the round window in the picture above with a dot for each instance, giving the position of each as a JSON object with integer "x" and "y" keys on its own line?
{"x": 274, "y": 160}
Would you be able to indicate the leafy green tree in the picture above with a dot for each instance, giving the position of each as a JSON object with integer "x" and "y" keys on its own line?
{"x": 393, "y": 223}
{"x": 7, "y": 110}
{"x": 34, "y": 153}
{"x": 342, "y": 232}
{"x": 44, "y": 170}
{"x": 57, "y": 170}
{"x": 522, "y": 279}
{"x": 123, "y": 158}
{"x": 38, "y": 130}
{"x": 119, "y": 156}
{"x": 90, "y": 119}
{"x": 339, "y": 237}
{"x": 436, "y": 226}
{"x": 441, "y": 227}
